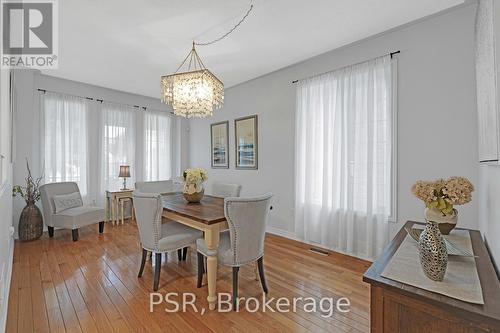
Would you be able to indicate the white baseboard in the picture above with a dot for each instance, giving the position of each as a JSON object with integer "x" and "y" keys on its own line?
{"x": 282, "y": 233}
{"x": 4, "y": 301}
{"x": 291, "y": 235}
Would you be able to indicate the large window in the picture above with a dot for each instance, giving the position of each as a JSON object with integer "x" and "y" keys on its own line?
{"x": 87, "y": 141}
{"x": 64, "y": 139}
{"x": 344, "y": 158}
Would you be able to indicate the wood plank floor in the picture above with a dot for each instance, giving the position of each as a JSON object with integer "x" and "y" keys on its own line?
{"x": 91, "y": 286}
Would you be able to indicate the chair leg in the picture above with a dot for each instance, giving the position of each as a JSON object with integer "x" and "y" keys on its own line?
{"x": 157, "y": 271}
{"x": 101, "y": 227}
{"x": 179, "y": 254}
{"x": 51, "y": 231}
{"x": 143, "y": 262}
{"x": 201, "y": 269}
{"x": 74, "y": 232}
{"x": 184, "y": 253}
{"x": 235, "y": 287}
{"x": 260, "y": 264}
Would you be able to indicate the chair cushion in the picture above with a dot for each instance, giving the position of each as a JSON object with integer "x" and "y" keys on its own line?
{"x": 176, "y": 236}
{"x": 76, "y": 217}
{"x": 67, "y": 201}
{"x": 224, "y": 253}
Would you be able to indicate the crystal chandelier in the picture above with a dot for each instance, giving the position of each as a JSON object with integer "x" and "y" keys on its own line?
{"x": 195, "y": 92}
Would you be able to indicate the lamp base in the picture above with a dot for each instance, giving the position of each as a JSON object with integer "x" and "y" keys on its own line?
{"x": 124, "y": 184}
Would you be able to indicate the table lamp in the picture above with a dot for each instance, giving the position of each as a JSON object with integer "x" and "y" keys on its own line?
{"x": 125, "y": 173}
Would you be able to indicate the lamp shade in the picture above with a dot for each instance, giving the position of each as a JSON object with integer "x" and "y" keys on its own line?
{"x": 124, "y": 171}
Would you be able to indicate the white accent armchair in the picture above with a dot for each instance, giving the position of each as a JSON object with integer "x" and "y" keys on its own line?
{"x": 157, "y": 237}
{"x": 244, "y": 243}
{"x": 71, "y": 218}
{"x": 225, "y": 190}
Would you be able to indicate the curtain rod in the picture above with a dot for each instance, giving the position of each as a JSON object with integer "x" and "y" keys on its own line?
{"x": 391, "y": 54}
{"x": 92, "y": 99}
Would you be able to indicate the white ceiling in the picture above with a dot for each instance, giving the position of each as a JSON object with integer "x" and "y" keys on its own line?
{"x": 128, "y": 45}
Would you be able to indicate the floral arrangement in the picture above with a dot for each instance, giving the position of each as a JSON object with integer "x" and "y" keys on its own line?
{"x": 193, "y": 180}
{"x": 444, "y": 194}
{"x": 31, "y": 192}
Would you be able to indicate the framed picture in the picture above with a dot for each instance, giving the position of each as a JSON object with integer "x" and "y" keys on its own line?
{"x": 245, "y": 130}
{"x": 220, "y": 144}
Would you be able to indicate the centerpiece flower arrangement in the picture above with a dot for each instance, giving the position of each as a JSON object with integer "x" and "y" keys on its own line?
{"x": 193, "y": 184}
{"x": 440, "y": 197}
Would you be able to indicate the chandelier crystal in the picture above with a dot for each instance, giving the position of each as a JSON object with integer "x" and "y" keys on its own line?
{"x": 195, "y": 92}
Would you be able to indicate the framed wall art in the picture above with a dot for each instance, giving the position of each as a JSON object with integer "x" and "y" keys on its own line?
{"x": 246, "y": 142}
{"x": 220, "y": 144}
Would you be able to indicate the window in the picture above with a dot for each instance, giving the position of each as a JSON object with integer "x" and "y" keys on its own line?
{"x": 118, "y": 123}
{"x": 157, "y": 145}
{"x": 86, "y": 142}
{"x": 64, "y": 139}
{"x": 344, "y": 158}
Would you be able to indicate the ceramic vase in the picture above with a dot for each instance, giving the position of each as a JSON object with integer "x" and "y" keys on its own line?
{"x": 432, "y": 250}
{"x": 30, "y": 223}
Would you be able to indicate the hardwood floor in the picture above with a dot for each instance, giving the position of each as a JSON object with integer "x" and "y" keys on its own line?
{"x": 91, "y": 286}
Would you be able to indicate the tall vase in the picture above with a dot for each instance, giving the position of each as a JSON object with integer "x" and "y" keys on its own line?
{"x": 30, "y": 223}
{"x": 446, "y": 223}
{"x": 433, "y": 254}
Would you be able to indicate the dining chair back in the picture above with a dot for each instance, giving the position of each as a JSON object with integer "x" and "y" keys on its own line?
{"x": 160, "y": 186}
{"x": 247, "y": 218}
{"x": 225, "y": 190}
{"x": 148, "y": 210}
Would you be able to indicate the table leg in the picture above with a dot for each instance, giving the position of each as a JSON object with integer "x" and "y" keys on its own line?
{"x": 212, "y": 241}
{"x": 107, "y": 213}
{"x": 121, "y": 203}
{"x": 113, "y": 210}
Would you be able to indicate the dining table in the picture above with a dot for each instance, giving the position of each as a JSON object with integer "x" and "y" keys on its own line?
{"x": 207, "y": 216}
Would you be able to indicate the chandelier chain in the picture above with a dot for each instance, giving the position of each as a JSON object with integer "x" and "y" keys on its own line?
{"x": 230, "y": 31}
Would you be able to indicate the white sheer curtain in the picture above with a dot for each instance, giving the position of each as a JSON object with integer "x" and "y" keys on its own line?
{"x": 344, "y": 158}
{"x": 118, "y": 144}
{"x": 64, "y": 128}
{"x": 157, "y": 145}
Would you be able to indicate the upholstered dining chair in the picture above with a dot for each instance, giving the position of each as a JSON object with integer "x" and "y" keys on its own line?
{"x": 244, "y": 243}
{"x": 160, "y": 186}
{"x": 63, "y": 208}
{"x": 225, "y": 190}
{"x": 157, "y": 237}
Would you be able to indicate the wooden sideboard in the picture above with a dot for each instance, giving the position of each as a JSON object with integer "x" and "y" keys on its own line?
{"x": 398, "y": 307}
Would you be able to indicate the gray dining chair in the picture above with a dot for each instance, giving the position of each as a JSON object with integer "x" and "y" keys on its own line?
{"x": 63, "y": 208}
{"x": 156, "y": 236}
{"x": 244, "y": 243}
{"x": 160, "y": 186}
{"x": 225, "y": 190}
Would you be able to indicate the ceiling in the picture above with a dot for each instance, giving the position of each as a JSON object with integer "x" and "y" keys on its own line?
{"x": 128, "y": 45}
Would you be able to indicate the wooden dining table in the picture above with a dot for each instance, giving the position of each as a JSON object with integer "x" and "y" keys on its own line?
{"x": 207, "y": 216}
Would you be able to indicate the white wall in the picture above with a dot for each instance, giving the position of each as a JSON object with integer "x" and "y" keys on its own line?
{"x": 437, "y": 118}
{"x": 6, "y": 240}
{"x": 27, "y": 116}
{"x": 489, "y": 208}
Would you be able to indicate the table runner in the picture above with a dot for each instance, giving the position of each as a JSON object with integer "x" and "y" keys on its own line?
{"x": 461, "y": 280}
